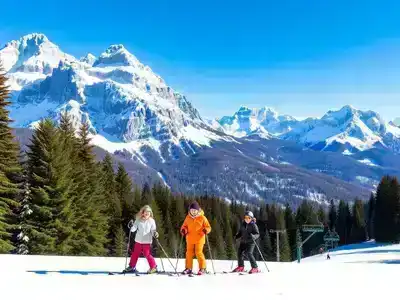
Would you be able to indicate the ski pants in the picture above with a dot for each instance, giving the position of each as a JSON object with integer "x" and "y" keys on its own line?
{"x": 246, "y": 250}
{"x": 195, "y": 250}
{"x": 139, "y": 249}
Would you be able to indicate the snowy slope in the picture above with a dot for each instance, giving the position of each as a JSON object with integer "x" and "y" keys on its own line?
{"x": 356, "y": 278}
{"x": 368, "y": 252}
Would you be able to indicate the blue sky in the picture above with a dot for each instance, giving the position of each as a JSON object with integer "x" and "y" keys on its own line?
{"x": 299, "y": 57}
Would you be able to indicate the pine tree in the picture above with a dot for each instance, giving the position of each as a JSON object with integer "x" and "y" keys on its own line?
{"x": 9, "y": 172}
{"x": 91, "y": 219}
{"x": 349, "y": 223}
{"x": 285, "y": 253}
{"x": 162, "y": 196}
{"x": 284, "y": 247}
{"x": 306, "y": 214}
{"x": 386, "y": 222}
{"x": 216, "y": 241}
{"x": 68, "y": 134}
{"x": 228, "y": 235}
{"x": 358, "y": 224}
{"x": 125, "y": 196}
{"x": 160, "y": 228}
{"x": 341, "y": 227}
{"x": 120, "y": 243}
{"x": 23, "y": 214}
{"x": 177, "y": 212}
{"x": 322, "y": 216}
{"x": 332, "y": 216}
{"x": 371, "y": 216}
{"x": 291, "y": 228}
{"x": 146, "y": 197}
{"x": 266, "y": 247}
{"x": 49, "y": 171}
{"x": 113, "y": 206}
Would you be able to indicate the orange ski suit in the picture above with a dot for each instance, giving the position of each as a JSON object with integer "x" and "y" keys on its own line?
{"x": 195, "y": 238}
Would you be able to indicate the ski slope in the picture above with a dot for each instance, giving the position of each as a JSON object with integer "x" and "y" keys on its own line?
{"x": 355, "y": 272}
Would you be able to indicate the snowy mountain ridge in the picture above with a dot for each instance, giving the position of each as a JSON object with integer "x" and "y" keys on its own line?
{"x": 122, "y": 99}
{"x": 347, "y": 130}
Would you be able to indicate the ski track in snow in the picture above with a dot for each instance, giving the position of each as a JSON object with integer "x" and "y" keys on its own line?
{"x": 359, "y": 266}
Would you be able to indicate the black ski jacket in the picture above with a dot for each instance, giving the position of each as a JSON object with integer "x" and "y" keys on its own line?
{"x": 248, "y": 233}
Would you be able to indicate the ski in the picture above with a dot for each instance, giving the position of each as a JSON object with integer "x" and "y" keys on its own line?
{"x": 244, "y": 272}
{"x": 247, "y": 273}
{"x": 207, "y": 274}
{"x": 126, "y": 273}
{"x": 142, "y": 273}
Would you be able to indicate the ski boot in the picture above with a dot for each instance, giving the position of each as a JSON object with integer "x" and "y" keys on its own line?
{"x": 238, "y": 270}
{"x": 254, "y": 270}
{"x": 202, "y": 272}
{"x": 130, "y": 270}
{"x": 187, "y": 272}
{"x": 152, "y": 271}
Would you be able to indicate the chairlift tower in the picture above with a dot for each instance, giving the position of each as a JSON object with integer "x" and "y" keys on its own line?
{"x": 277, "y": 231}
{"x": 313, "y": 229}
{"x": 331, "y": 238}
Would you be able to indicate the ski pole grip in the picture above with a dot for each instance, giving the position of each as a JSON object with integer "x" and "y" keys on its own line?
{"x": 130, "y": 224}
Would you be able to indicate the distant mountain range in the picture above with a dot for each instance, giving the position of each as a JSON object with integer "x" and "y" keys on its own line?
{"x": 160, "y": 136}
{"x": 347, "y": 130}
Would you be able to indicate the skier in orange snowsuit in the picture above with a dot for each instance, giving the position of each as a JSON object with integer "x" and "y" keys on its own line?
{"x": 195, "y": 227}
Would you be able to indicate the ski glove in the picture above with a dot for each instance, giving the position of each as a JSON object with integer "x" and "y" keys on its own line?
{"x": 130, "y": 224}
{"x": 205, "y": 231}
{"x": 156, "y": 235}
{"x": 184, "y": 231}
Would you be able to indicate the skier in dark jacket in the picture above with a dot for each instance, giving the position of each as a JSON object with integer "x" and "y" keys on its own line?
{"x": 248, "y": 234}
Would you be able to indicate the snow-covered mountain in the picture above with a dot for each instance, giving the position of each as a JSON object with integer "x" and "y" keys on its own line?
{"x": 347, "y": 130}
{"x": 159, "y": 136}
{"x": 248, "y": 121}
{"x": 396, "y": 122}
{"x": 122, "y": 99}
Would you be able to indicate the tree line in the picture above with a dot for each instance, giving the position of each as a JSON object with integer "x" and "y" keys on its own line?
{"x": 56, "y": 198}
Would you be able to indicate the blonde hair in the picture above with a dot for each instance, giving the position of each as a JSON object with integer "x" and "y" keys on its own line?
{"x": 142, "y": 210}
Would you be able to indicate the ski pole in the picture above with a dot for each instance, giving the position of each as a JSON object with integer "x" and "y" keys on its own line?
{"x": 127, "y": 249}
{"x": 258, "y": 248}
{"x": 162, "y": 264}
{"x": 209, "y": 249}
{"x": 166, "y": 255}
{"x": 178, "y": 252}
{"x": 235, "y": 254}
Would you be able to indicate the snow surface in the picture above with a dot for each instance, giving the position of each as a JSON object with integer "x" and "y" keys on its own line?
{"x": 354, "y": 272}
{"x": 347, "y": 152}
{"x": 316, "y": 197}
